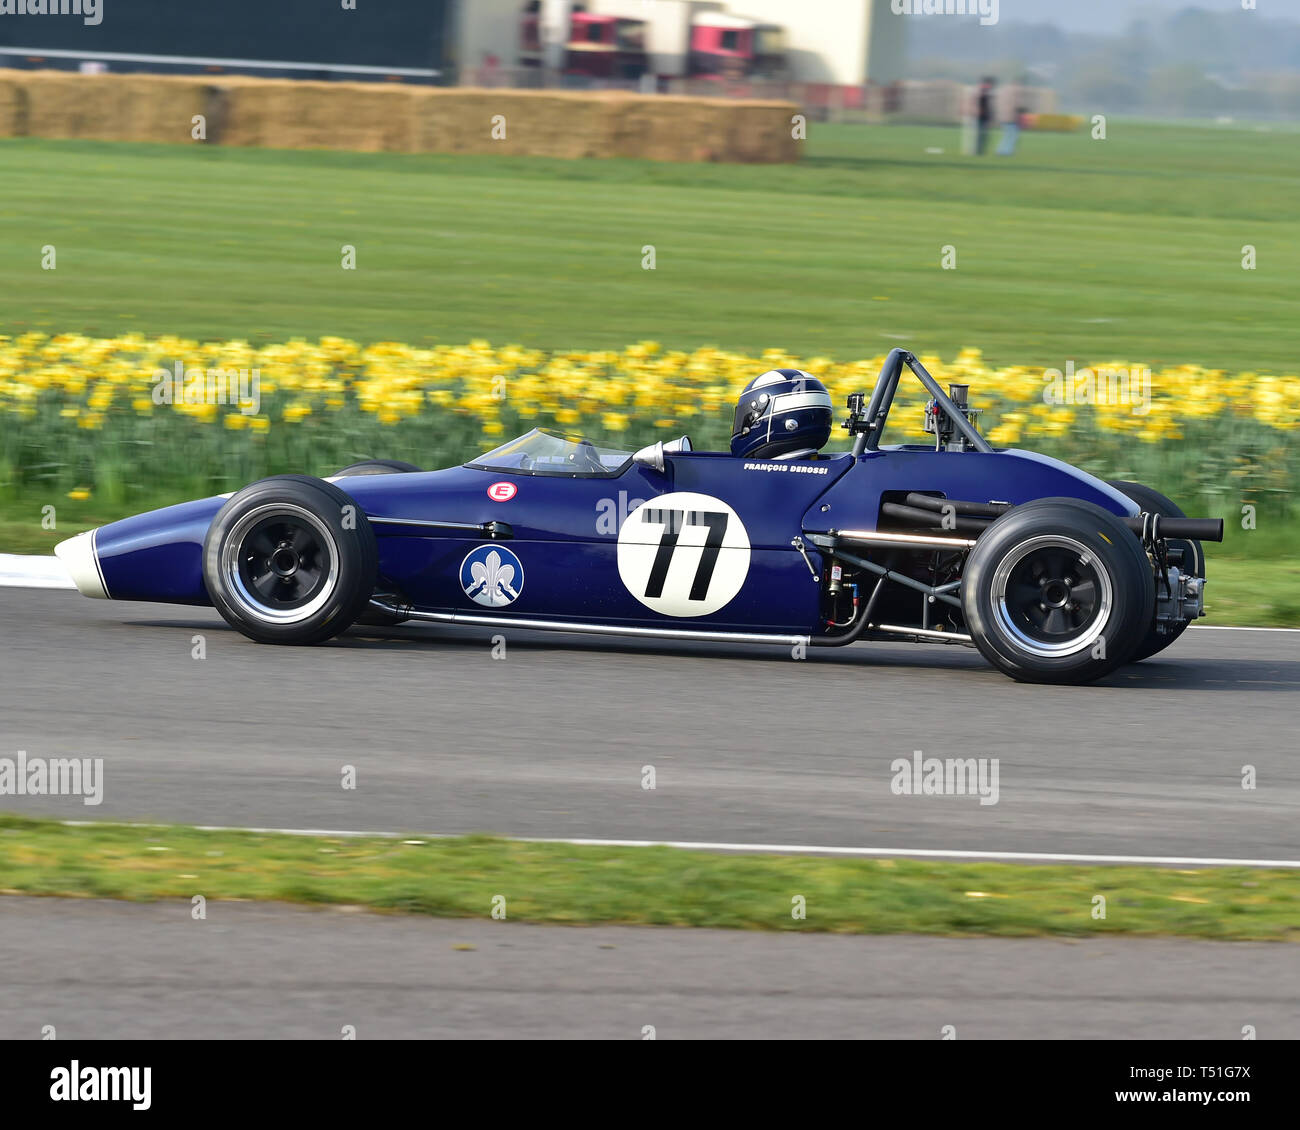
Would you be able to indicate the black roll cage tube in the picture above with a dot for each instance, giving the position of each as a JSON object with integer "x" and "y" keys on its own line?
{"x": 882, "y": 398}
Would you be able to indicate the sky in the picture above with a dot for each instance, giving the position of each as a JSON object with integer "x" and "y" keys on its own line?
{"x": 1114, "y": 15}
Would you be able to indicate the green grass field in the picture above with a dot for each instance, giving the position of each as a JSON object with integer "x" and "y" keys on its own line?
{"x": 584, "y": 885}
{"x": 1123, "y": 249}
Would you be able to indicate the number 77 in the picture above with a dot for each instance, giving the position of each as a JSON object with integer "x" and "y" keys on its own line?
{"x": 673, "y": 522}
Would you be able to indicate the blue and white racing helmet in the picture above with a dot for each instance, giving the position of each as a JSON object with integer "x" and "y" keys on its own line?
{"x": 784, "y": 414}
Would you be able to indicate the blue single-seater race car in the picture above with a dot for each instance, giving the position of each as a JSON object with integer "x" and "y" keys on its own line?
{"x": 1054, "y": 575}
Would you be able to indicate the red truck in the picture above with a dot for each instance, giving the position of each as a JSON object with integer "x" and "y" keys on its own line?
{"x": 731, "y": 47}
{"x": 607, "y": 47}
{"x": 677, "y": 41}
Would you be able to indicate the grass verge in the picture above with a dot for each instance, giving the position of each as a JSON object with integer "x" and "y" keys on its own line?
{"x": 565, "y": 884}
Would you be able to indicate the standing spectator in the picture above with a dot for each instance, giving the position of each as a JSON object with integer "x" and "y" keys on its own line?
{"x": 984, "y": 100}
{"x": 1010, "y": 122}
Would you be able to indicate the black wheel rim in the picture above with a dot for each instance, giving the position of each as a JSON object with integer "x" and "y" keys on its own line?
{"x": 280, "y": 563}
{"x": 283, "y": 563}
{"x": 1052, "y": 596}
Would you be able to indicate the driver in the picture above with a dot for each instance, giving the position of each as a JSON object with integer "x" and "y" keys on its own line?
{"x": 784, "y": 414}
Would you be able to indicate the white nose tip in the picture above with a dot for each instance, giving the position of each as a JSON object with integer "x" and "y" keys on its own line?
{"x": 78, "y": 555}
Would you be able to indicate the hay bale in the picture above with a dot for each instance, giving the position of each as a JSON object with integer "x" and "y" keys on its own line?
{"x": 60, "y": 106}
{"x": 162, "y": 107}
{"x": 604, "y": 124}
{"x": 13, "y": 106}
{"x": 658, "y": 129}
{"x": 761, "y": 133}
{"x": 670, "y": 128}
{"x": 111, "y": 107}
{"x": 521, "y": 123}
{"x": 287, "y": 114}
{"x": 372, "y": 117}
{"x": 252, "y": 107}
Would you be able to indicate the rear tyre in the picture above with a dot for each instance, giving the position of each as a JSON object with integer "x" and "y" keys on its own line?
{"x": 1153, "y": 502}
{"x": 290, "y": 560}
{"x": 376, "y": 467}
{"x": 1058, "y": 591}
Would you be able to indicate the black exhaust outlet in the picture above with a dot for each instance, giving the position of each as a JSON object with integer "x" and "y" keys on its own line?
{"x": 1158, "y": 527}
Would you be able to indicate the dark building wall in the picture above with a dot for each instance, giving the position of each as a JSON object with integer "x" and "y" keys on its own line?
{"x": 378, "y": 33}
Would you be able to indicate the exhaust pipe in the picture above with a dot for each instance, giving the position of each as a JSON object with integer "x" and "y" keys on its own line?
{"x": 1154, "y": 527}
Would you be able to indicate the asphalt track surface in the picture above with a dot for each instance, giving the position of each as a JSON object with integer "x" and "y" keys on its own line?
{"x": 97, "y": 970}
{"x": 748, "y": 745}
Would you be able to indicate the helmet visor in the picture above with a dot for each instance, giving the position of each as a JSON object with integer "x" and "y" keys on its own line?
{"x": 749, "y": 411}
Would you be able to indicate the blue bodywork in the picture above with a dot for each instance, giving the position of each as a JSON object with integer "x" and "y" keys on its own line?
{"x": 565, "y": 530}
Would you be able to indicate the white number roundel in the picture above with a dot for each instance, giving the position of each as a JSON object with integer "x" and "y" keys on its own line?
{"x": 683, "y": 554}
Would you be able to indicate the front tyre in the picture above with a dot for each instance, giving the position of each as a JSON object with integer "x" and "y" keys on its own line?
{"x": 1058, "y": 591}
{"x": 291, "y": 560}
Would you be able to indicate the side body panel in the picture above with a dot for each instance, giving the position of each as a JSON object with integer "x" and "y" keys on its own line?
{"x": 563, "y": 552}
{"x": 566, "y": 539}
{"x": 853, "y": 503}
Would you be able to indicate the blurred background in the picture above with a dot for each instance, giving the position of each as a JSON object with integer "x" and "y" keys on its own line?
{"x": 430, "y": 225}
{"x": 867, "y": 59}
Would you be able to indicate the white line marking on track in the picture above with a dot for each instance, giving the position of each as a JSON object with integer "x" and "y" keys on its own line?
{"x": 19, "y": 570}
{"x": 758, "y": 849}
{"x": 1234, "y": 628}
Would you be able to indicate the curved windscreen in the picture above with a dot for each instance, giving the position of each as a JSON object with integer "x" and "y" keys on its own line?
{"x": 546, "y": 452}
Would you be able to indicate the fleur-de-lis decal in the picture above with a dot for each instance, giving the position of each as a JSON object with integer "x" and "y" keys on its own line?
{"x": 494, "y": 579}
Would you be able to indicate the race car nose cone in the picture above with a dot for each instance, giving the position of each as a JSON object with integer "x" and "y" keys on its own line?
{"x": 78, "y": 556}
